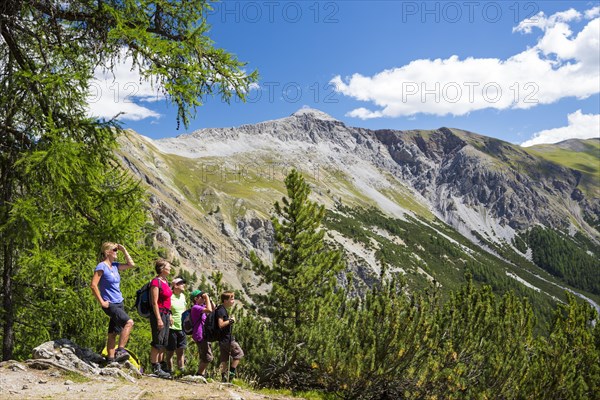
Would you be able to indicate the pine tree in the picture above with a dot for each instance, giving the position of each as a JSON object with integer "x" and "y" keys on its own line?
{"x": 302, "y": 277}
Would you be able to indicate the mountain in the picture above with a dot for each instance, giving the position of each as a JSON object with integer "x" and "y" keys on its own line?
{"x": 430, "y": 204}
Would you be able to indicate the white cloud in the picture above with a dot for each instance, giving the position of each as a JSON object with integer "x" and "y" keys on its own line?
{"x": 580, "y": 126}
{"x": 592, "y": 13}
{"x": 542, "y": 22}
{"x": 120, "y": 91}
{"x": 561, "y": 64}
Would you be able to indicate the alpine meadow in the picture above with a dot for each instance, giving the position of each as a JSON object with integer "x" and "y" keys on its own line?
{"x": 367, "y": 263}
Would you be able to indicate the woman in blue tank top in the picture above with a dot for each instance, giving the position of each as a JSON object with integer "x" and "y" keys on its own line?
{"x": 106, "y": 287}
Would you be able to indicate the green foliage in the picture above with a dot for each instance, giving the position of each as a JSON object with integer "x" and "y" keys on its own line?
{"x": 392, "y": 342}
{"x": 563, "y": 258}
{"x": 62, "y": 191}
{"x": 566, "y": 364}
{"x": 302, "y": 279}
{"x": 476, "y": 345}
{"x": 75, "y": 200}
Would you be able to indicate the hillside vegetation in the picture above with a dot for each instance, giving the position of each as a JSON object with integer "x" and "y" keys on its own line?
{"x": 310, "y": 333}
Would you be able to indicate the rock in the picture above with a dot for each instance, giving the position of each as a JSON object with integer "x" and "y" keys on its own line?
{"x": 193, "y": 378}
{"x": 13, "y": 365}
{"x": 66, "y": 355}
{"x": 68, "y": 382}
{"x": 116, "y": 372}
{"x": 44, "y": 351}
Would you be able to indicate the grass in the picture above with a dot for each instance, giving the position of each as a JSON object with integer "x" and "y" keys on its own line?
{"x": 587, "y": 162}
{"x": 75, "y": 377}
{"x": 309, "y": 395}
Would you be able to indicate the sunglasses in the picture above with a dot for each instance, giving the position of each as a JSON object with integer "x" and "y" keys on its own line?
{"x": 116, "y": 249}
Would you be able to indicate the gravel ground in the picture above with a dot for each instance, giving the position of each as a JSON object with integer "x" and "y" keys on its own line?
{"x": 18, "y": 381}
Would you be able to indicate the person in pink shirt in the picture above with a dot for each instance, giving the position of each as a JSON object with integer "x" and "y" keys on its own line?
{"x": 160, "y": 317}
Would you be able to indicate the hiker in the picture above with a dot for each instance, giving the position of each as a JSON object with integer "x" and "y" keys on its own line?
{"x": 160, "y": 317}
{"x": 200, "y": 308}
{"x": 106, "y": 287}
{"x": 177, "y": 337}
{"x": 227, "y": 344}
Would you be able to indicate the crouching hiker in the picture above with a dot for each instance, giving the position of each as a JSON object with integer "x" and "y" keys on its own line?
{"x": 227, "y": 344}
{"x": 200, "y": 308}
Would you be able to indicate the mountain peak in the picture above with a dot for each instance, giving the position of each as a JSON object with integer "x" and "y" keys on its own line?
{"x": 313, "y": 113}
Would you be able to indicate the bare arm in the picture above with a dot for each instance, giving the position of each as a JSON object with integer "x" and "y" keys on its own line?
{"x": 208, "y": 303}
{"x": 222, "y": 323}
{"x": 154, "y": 301}
{"x": 95, "y": 290}
{"x": 128, "y": 261}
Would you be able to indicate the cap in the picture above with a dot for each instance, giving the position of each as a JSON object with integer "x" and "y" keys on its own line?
{"x": 195, "y": 293}
{"x": 177, "y": 281}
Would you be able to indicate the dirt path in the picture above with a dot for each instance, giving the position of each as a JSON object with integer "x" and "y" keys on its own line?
{"x": 17, "y": 381}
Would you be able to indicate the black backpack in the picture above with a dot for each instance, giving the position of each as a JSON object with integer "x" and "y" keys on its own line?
{"x": 210, "y": 330}
{"x": 142, "y": 300}
{"x": 186, "y": 322}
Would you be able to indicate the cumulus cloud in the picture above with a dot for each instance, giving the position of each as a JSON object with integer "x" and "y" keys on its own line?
{"x": 580, "y": 126}
{"x": 121, "y": 91}
{"x": 592, "y": 13}
{"x": 561, "y": 64}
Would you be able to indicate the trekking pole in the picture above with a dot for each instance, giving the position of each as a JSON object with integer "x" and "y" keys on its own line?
{"x": 229, "y": 353}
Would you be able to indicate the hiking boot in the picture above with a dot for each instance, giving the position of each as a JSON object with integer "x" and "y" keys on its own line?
{"x": 224, "y": 377}
{"x": 161, "y": 374}
{"x": 121, "y": 355}
{"x": 107, "y": 361}
{"x": 163, "y": 366}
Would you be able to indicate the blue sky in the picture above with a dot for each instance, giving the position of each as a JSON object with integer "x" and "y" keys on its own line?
{"x": 518, "y": 71}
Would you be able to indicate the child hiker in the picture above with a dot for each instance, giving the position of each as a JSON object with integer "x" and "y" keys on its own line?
{"x": 227, "y": 344}
{"x": 201, "y": 307}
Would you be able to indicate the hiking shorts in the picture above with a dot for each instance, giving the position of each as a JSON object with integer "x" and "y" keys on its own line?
{"x": 235, "y": 351}
{"x": 118, "y": 317}
{"x": 205, "y": 351}
{"x": 160, "y": 339}
{"x": 177, "y": 340}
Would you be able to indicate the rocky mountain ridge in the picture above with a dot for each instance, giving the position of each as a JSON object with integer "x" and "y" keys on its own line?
{"x": 212, "y": 190}
{"x": 450, "y": 168}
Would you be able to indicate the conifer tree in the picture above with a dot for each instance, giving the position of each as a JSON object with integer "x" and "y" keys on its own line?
{"x": 53, "y": 158}
{"x": 302, "y": 277}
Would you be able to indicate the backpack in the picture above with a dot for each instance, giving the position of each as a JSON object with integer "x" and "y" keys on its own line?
{"x": 142, "y": 300}
{"x": 210, "y": 329}
{"x": 186, "y": 322}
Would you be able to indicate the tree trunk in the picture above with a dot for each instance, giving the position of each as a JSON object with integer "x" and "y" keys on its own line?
{"x": 7, "y": 180}
{"x": 8, "y": 337}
